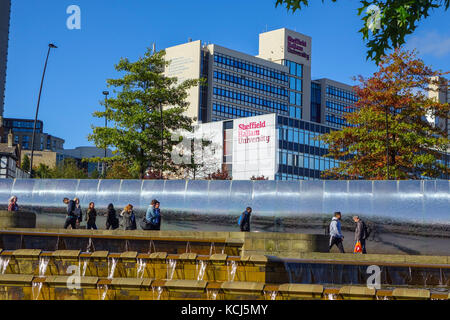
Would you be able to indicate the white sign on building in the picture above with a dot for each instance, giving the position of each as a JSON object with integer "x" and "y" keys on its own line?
{"x": 255, "y": 145}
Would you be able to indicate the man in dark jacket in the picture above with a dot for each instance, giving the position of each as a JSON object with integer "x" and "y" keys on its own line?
{"x": 360, "y": 233}
{"x": 71, "y": 218}
{"x": 245, "y": 220}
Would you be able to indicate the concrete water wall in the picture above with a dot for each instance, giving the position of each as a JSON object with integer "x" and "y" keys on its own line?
{"x": 37, "y": 275}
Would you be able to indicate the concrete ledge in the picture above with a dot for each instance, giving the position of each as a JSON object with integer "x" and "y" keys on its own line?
{"x": 126, "y": 282}
{"x": 188, "y": 256}
{"x": 353, "y": 291}
{"x": 415, "y": 294}
{"x": 296, "y": 288}
{"x": 66, "y": 253}
{"x": 62, "y": 280}
{"x": 257, "y": 258}
{"x": 100, "y": 254}
{"x": 218, "y": 257}
{"x": 27, "y": 252}
{"x": 146, "y": 282}
{"x": 158, "y": 255}
{"x": 186, "y": 285}
{"x": 236, "y": 286}
{"x": 129, "y": 255}
{"x": 16, "y": 278}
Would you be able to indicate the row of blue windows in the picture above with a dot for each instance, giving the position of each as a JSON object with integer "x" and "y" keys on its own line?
{"x": 341, "y": 94}
{"x": 295, "y": 69}
{"x": 301, "y": 136}
{"x": 229, "y": 111}
{"x": 333, "y": 120}
{"x": 307, "y": 161}
{"x": 301, "y": 124}
{"x": 295, "y": 84}
{"x": 295, "y": 112}
{"x": 339, "y": 108}
{"x": 250, "y": 67}
{"x": 295, "y": 98}
{"x": 250, "y": 83}
{"x": 238, "y": 96}
{"x": 22, "y": 124}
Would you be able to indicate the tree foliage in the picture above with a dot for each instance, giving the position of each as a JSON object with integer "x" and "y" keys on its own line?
{"x": 393, "y": 104}
{"x": 25, "y": 163}
{"x": 67, "y": 169}
{"x": 135, "y": 113}
{"x": 398, "y": 18}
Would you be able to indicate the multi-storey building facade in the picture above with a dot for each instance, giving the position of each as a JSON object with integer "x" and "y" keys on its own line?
{"x": 22, "y": 130}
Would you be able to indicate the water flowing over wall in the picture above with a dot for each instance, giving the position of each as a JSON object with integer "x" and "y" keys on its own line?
{"x": 403, "y": 201}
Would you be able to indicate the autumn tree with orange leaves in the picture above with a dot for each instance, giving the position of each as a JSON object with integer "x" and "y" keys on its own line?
{"x": 390, "y": 137}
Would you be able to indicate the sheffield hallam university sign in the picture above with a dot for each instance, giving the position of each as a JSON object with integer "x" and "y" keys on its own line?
{"x": 297, "y": 46}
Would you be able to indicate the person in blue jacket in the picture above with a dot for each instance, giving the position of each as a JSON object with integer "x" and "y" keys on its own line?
{"x": 152, "y": 217}
{"x": 336, "y": 236}
{"x": 245, "y": 220}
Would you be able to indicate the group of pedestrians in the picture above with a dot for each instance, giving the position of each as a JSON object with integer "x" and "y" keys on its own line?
{"x": 151, "y": 221}
{"x": 362, "y": 233}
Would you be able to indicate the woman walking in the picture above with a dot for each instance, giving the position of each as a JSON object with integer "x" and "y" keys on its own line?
{"x": 78, "y": 212}
{"x": 91, "y": 217}
{"x": 129, "y": 218}
{"x": 111, "y": 221}
{"x": 12, "y": 205}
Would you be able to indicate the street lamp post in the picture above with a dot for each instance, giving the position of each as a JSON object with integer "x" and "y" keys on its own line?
{"x": 50, "y": 46}
{"x": 105, "y": 93}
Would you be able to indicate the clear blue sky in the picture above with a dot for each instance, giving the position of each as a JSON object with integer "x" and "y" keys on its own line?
{"x": 111, "y": 29}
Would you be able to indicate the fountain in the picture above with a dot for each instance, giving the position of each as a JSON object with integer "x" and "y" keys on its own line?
{"x": 4, "y": 262}
{"x": 150, "y": 246}
{"x": 272, "y": 294}
{"x": 90, "y": 246}
{"x": 332, "y": 296}
{"x": 200, "y": 268}
{"x": 141, "y": 264}
{"x": 211, "y": 249}
{"x": 159, "y": 291}
{"x": 36, "y": 289}
{"x": 232, "y": 268}
{"x": 212, "y": 294}
{"x": 171, "y": 268}
{"x": 112, "y": 263}
{"x": 84, "y": 262}
{"x": 43, "y": 264}
{"x": 188, "y": 247}
{"x": 102, "y": 291}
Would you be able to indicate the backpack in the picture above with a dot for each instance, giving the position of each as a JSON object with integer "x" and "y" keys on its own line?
{"x": 240, "y": 220}
{"x": 367, "y": 231}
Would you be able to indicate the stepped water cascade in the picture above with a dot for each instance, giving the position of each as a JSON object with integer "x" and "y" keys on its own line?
{"x": 36, "y": 289}
{"x": 141, "y": 264}
{"x": 112, "y": 263}
{"x": 102, "y": 291}
{"x": 201, "y": 268}
{"x": 171, "y": 266}
{"x": 232, "y": 268}
{"x": 43, "y": 264}
{"x": 4, "y": 262}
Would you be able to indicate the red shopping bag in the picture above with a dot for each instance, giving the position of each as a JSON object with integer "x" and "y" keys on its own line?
{"x": 358, "y": 247}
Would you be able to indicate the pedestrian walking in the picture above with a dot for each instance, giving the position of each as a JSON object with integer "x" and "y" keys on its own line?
{"x": 244, "y": 220}
{"x": 129, "y": 218}
{"x": 78, "y": 212}
{"x": 336, "y": 236}
{"x": 361, "y": 234}
{"x": 112, "y": 222}
{"x": 152, "y": 219}
{"x": 12, "y": 204}
{"x": 91, "y": 217}
{"x": 71, "y": 218}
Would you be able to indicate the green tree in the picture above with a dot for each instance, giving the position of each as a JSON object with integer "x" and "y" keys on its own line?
{"x": 43, "y": 172}
{"x": 119, "y": 170}
{"x": 397, "y": 19}
{"x": 149, "y": 106}
{"x": 389, "y": 135}
{"x": 25, "y": 163}
{"x": 95, "y": 174}
{"x": 68, "y": 169}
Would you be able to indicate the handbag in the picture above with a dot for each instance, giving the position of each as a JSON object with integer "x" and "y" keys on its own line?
{"x": 358, "y": 247}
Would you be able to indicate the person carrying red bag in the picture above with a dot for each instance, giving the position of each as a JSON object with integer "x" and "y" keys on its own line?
{"x": 361, "y": 234}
